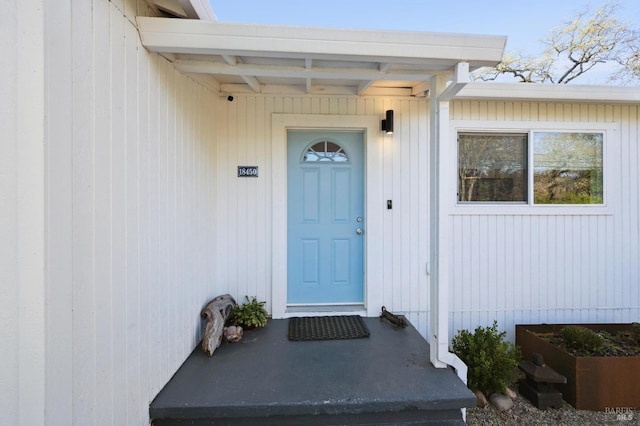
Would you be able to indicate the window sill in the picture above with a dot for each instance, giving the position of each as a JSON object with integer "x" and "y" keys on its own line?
{"x": 472, "y": 209}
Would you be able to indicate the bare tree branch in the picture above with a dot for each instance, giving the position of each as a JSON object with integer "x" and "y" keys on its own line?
{"x": 576, "y": 48}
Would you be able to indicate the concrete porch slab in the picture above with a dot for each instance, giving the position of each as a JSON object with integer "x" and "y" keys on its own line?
{"x": 266, "y": 379}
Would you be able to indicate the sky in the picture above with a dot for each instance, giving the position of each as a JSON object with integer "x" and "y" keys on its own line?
{"x": 523, "y": 22}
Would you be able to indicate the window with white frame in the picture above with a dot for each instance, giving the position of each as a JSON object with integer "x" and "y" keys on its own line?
{"x": 537, "y": 167}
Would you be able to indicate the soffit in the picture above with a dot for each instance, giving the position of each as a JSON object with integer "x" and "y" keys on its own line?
{"x": 236, "y": 58}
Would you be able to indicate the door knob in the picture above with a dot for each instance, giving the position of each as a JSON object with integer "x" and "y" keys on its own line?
{"x": 359, "y": 231}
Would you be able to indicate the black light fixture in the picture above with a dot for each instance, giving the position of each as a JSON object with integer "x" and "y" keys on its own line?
{"x": 387, "y": 123}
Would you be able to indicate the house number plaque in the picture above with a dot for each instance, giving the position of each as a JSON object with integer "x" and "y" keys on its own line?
{"x": 247, "y": 171}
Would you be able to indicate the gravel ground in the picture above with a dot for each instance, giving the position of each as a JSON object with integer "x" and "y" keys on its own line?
{"x": 524, "y": 413}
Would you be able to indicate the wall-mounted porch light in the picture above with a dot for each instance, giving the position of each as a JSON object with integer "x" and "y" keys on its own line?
{"x": 387, "y": 123}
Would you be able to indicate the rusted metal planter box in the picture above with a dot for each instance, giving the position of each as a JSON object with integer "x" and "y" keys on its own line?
{"x": 593, "y": 383}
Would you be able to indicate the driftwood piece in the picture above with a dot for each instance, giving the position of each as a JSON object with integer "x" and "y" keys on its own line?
{"x": 216, "y": 313}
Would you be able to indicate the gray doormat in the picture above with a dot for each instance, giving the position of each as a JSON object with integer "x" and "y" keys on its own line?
{"x": 327, "y": 328}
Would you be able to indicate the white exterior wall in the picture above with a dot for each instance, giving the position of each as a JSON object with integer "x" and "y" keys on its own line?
{"x": 22, "y": 283}
{"x": 107, "y": 213}
{"x": 131, "y": 208}
{"x": 245, "y": 205}
{"x": 552, "y": 268}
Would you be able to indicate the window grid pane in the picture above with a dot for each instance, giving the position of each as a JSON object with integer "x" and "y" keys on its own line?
{"x": 492, "y": 167}
{"x": 568, "y": 168}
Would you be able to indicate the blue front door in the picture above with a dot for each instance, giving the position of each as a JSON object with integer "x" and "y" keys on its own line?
{"x": 325, "y": 217}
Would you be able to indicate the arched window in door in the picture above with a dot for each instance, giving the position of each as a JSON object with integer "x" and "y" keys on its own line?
{"x": 325, "y": 150}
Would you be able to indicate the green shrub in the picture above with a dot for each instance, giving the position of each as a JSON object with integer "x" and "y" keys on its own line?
{"x": 635, "y": 333}
{"x": 492, "y": 361}
{"x": 251, "y": 314}
{"x": 581, "y": 340}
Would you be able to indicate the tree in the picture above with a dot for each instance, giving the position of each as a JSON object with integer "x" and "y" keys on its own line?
{"x": 630, "y": 63}
{"x": 573, "y": 50}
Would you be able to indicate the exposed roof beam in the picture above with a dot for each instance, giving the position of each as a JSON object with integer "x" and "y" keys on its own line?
{"x": 362, "y": 87}
{"x": 207, "y": 67}
{"x": 207, "y": 81}
{"x": 253, "y": 83}
{"x": 388, "y": 91}
{"x": 289, "y": 89}
{"x": 250, "y": 80}
{"x": 231, "y": 60}
{"x": 316, "y": 90}
{"x": 308, "y": 63}
{"x": 171, "y": 57}
{"x": 385, "y": 67}
{"x": 421, "y": 89}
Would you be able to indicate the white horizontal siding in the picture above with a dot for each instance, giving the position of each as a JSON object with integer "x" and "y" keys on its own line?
{"x": 244, "y": 216}
{"x": 551, "y": 268}
{"x": 130, "y": 213}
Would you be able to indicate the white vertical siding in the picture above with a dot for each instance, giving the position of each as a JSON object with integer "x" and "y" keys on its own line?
{"x": 22, "y": 281}
{"x": 551, "y": 268}
{"x": 130, "y": 210}
{"x": 244, "y": 213}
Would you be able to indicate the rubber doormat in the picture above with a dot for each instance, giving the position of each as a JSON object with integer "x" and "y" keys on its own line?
{"x": 327, "y": 328}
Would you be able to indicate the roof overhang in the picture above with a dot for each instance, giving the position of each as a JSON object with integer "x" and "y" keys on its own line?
{"x": 550, "y": 92}
{"x": 268, "y": 58}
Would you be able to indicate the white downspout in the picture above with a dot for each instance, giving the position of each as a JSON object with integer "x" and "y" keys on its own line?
{"x": 441, "y": 193}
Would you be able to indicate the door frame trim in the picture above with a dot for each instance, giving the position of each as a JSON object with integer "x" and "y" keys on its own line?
{"x": 373, "y": 195}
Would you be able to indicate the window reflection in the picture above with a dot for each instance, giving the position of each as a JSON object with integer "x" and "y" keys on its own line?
{"x": 568, "y": 168}
{"x": 492, "y": 167}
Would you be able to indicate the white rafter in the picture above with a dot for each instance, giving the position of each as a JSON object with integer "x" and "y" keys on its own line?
{"x": 385, "y": 67}
{"x": 251, "y": 81}
{"x": 308, "y": 63}
{"x": 362, "y": 87}
{"x": 231, "y": 60}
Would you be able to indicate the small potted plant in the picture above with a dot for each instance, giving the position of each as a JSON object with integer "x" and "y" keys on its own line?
{"x": 251, "y": 314}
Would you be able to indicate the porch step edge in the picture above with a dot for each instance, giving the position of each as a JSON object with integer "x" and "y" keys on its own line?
{"x": 399, "y": 418}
